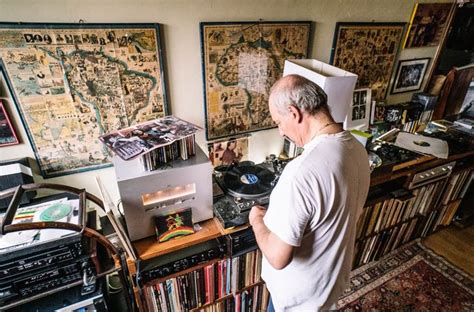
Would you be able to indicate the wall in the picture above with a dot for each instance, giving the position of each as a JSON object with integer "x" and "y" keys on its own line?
{"x": 180, "y": 20}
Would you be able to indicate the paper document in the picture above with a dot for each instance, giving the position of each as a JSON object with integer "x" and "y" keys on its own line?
{"x": 423, "y": 144}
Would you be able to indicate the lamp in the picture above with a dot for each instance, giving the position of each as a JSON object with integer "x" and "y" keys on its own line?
{"x": 337, "y": 83}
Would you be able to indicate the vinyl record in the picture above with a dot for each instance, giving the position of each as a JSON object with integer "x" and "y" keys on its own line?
{"x": 55, "y": 212}
{"x": 248, "y": 181}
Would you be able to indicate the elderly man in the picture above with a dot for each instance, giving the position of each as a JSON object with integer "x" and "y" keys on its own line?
{"x": 307, "y": 234}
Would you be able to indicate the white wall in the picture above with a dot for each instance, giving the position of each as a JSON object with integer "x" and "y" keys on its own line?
{"x": 180, "y": 20}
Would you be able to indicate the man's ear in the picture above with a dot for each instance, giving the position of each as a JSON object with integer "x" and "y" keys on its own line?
{"x": 295, "y": 112}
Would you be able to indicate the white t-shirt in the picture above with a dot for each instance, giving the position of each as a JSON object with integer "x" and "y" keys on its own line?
{"x": 315, "y": 206}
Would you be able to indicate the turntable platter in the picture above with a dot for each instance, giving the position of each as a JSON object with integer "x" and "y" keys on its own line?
{"x": 248, "y": 182}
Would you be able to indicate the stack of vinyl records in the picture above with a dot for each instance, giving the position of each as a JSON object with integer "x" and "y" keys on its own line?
{"x": 159, "y": 157}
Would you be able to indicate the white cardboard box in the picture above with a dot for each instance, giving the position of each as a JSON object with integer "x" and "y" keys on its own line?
{"x": 337, "y": 83}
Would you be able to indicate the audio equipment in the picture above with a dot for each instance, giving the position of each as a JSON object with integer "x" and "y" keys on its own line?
{"x": 180, "y": 260}
{"x": 432, "y": 175}
{"x": 28, "y": 271}
{"x": 240, "y": 242}
{"x": 244, "y": 185}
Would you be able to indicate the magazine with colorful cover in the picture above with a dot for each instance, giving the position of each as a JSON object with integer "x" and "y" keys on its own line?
{"x": 139, "y": 139}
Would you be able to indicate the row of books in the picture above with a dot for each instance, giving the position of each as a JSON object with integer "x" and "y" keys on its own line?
{"x": 385, "y": 241}
{"x": 180, "y": 149}
{"x": 249, "y": 300}
{"x": 386, "y": 225}
{"x": 387, "y": 213}
{"x": 205, "y": 285}
{"x": 457, "y": 185}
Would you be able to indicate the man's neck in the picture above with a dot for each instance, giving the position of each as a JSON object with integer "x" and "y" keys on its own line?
{"x": 319, "y": 125}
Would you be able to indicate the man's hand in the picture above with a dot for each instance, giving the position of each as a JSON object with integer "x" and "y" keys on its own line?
{"x": 256, "y": 214}
{"x": 277, "y": 252}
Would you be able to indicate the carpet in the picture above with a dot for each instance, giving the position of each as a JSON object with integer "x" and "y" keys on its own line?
{"x": 412, "y": 278}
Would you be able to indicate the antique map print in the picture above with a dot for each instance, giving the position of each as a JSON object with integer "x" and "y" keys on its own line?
{"x": 241, "y": 62}
{"x": 75, "y": 82}
{"x": 369, "y": 51}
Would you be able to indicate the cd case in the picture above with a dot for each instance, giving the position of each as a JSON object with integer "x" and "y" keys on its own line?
{"x": 173, "y": 225}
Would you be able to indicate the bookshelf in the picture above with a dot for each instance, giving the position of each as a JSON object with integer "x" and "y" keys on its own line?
{"x": 387, "y": 222}
{"x": 222, "y": 284}
{"x": 226, "y": 284}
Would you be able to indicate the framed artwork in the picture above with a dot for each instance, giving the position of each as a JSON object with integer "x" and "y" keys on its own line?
{"x": 241, "y": 61}
{"x": 368, "y": 50}
{"x": 75, "y": 82}
{"x": 225, "y": 153}
{"x": 409, "y": 75}
{"x": 7, "y": 133}
{"x": 359, "y": 110}
{"x": 427, "y": 24}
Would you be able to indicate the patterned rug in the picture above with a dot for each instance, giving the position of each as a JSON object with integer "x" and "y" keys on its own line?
{"x": 412, "y": 278}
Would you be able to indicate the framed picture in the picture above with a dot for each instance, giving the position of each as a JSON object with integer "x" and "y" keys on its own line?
{"x": 75, "y": 82}
{"x": 369, "y": 51}
{"x": 7, "y": 133}
{"x": 232, "y": 151}
{"x": 359, "y": 114}
{"x": 409, "y": 75}
{"x": 427, "y": 24}
{"x": 241, "y": 61}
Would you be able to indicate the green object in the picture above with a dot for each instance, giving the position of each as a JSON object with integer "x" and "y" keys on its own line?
{"x": 55, "y": 212}
{"x": 362, "y": 137}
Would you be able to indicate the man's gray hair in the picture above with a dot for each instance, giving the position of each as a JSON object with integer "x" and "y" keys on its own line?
{"x": 300, "y": 92}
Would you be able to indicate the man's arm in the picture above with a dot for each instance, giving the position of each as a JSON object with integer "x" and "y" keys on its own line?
{"x": 277, "y": 252}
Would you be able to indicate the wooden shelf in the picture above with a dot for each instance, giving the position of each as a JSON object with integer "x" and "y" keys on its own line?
{"x": 149, "y": 247}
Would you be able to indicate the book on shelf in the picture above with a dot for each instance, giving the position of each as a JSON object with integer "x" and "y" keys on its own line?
{"x": 214, "y": 284}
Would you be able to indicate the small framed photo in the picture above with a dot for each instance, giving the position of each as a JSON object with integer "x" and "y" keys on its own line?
{"x": 7, "y": 133}
{"x": 359, "y": 114}
{"x": 409, "y": 75}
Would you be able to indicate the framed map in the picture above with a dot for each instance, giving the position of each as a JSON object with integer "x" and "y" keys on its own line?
{"x": 241, "y": 61}
{"x": 74, "y": 82}
{"x": 368, "y": 50}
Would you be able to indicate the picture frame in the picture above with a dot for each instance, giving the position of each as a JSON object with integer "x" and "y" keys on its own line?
{"x": 240, "y": 62}
{"x": 7, "y": 133}
{"x": 228, "y": 152}
{"x": 427, "y": 24}
{"x": 368, "y": 50}
{"x": 73, "y": 82}
{"x": 409, "y": 75}
{"x": 359, "y": 112}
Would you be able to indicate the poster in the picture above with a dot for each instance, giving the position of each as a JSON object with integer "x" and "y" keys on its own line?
{"x": 241, "y": 61}
{"x": 368, "y": 50}
{"x": 74, "y": 82}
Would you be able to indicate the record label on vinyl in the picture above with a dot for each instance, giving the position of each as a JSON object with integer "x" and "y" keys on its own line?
{"x": 248, "y": 182}
{"x": 249, "y": 178}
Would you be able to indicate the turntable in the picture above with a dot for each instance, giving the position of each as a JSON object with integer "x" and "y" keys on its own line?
{"x": 244, "y": 186}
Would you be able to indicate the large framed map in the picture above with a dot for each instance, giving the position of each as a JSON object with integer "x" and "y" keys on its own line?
{"x": 368, "y": 50}
{"x": 241, "y": 61}
{"x": 75, "y": 82}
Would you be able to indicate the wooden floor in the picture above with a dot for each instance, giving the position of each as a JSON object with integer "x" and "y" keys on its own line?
{"x": 454, "y": 244}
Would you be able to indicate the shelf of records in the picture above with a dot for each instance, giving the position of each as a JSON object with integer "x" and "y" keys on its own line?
{"x": 389, "y": 223}
{"x": 230, "y": 284}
